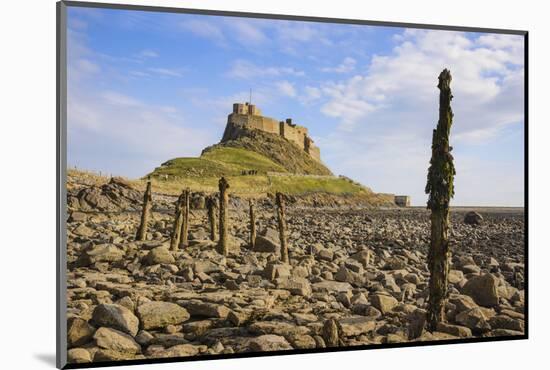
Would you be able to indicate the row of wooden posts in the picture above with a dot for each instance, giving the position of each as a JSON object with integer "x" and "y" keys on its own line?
{"x": 180, "y": 230}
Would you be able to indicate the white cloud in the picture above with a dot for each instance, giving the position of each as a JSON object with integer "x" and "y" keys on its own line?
{"x": 388, "y": 113}
{"x": 119, "y": 100}
{"x": 286, "y": 88}
{"x": 204, "y": 29}
{"x": 135, "y": 136}
{"x": 347, "y": 66}
{"x": 246, "y": 32}
{"x": 139, "y": 74}
{"x": 405, "y": 79}
{"x": 169, "y": 72}
{"x": 310, "y": 95}
{"x": 243, "y": 32}
{"x": 147, "y": 53}
{"x": 116, "y": 132}
{"x": 299, "y": 32}
{"x": 248, "y": 70}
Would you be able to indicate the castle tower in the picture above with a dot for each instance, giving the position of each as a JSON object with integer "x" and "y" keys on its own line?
{"x": 248, "y": 116}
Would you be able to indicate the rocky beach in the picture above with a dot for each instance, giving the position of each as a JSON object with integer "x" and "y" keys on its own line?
{"x": 356, "y": 276}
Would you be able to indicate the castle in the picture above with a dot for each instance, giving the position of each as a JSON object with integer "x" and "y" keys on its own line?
{"x": 250, "y": 117}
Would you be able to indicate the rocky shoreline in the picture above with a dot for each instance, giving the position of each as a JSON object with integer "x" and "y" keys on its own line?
{"x": 356, "y": 277}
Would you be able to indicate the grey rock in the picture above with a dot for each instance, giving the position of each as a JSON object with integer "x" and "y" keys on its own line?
{"x": 161, "y": 314}
{"x": 117, "y": 317}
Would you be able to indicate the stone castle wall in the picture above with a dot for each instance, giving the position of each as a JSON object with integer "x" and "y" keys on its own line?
{"x": 256, "y": 122}
{"x": 249, "y": 116}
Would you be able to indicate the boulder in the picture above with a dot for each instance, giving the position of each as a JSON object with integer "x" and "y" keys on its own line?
{"x": 483, "y": 289}
{"x": 266, "y": 245}
{"x": 455, "y": 276}
{"x": 276, "y": 270}
{"x": 77, "y": 217}
{"x": 417, "y": 322}
{"x": 455, "y": 330}
{"x": 269, "y": 342}
{"x": 365, "y": 257}
{"x": 474, "y": 319}
{"x": 100, "y": 253}
{"x": 505, "y": 322}
{"x": 325, "y": 255}
{"x": 473, "y": 218}
{"x": 462, "y": 302}
{"x": 117, "y": 317}
{"x": 296, "y": 286}
{"x": 159, "y": 255}
{"x": 356, "y": 325}
{"x": 84, "y": 231}
{"x": 103, "y": 354}
{"x": 206, "y": 309}
{"x": 79, "y": 332}
{"x": 395, "y": 263}
{"x": 156, "y": 314}
{"x": 346, "y": 275}
{"x": 331, "y": 286}
{"x": 283, "y": 328}
{"x": 384, "y": 303}
{"x": 180, "y": 350}
{"x": 111, "y": 339}
{"x": 78, "y": 356}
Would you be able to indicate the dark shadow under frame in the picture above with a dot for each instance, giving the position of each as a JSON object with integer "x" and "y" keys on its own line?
{"x": 61, "y": 180}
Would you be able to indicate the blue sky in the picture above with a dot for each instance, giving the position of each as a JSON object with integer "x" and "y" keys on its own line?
{"x": 147, "y": 87}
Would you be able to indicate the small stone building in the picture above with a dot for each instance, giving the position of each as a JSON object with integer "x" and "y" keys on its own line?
{"x": 402, "y": 200}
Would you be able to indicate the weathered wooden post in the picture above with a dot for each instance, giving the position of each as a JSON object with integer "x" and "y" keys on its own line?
{"x": 185, "y": 224}
{"x": 252, "y": 224}
{"x": 178, "y": 220}
{"x": 440, "y": 187}
{"x": 224, "y": 196}
{"x": 331, "y": 333}
{"x": 142, "y": 230}
{"x": 279, "y": 200}
{"x": 211, "y": 206}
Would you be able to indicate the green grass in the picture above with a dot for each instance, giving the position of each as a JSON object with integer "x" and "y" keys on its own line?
{"x": 216, "y": 163}
{"x": 242, "y": 159}
{"x": 297, "y": 185}
{"x": 203, "y": 173}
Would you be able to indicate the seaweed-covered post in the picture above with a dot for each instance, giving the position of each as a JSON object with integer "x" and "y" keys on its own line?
{"x": 252, "y": 224}
{"x": 185, "y": 224}
{"x": 224, "y": 197}
{"x": 279, "y": 200}
{"x": 178, "y": 220}
{"x": 142, "y": 230}
{"x": 211, "y": 206}
{"x": 440, "y": 187}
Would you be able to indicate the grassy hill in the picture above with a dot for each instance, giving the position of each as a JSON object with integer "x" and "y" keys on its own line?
{"x": 276, "y": 165}
{"x": 277, "y": 149}
{"x": 203, "y": 173}
{"x": 218, "y": 162}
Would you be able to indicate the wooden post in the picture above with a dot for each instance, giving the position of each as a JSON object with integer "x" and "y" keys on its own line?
{"x": 331, "y": 333}
{"x": 142, "y": 230}
{"x": 185, "y": 224}
{"x": 224, "y": 197}
{"x": 178, "y": 220}
{"x": 279, "y": 200}
{"x": 252, "y": 224}
{"x": 440, "y": 187}
{"x": 211, "y": 206}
